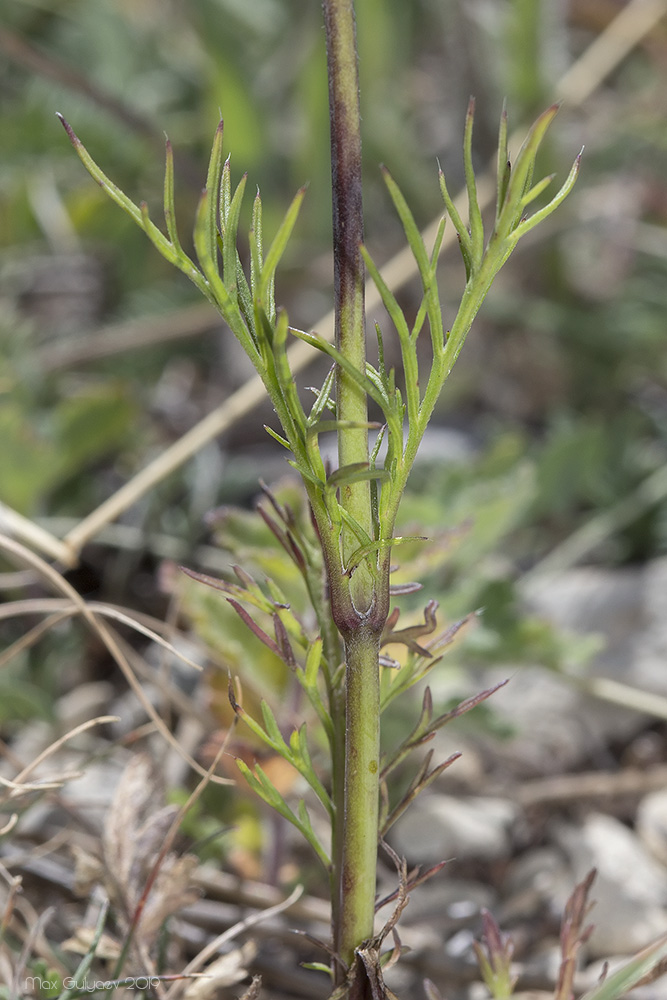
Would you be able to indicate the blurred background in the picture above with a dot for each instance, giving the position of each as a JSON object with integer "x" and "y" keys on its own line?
{"x": 542, "y": 483}
{"x": 555, "y": 418}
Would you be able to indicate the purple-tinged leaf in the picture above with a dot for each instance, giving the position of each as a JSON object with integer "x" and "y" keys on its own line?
{"x": 244, "y": 577}
{"x": 231, "y": 694}
{"x": 398, "y": 589}
{"x": 209, "y": 581}
{"x": 254, "y": 627}
{"x": 408, "y": 636}
{"x": 283, "y": 643}
{"x": 285, "y": 538}
{"x": 447, "y": 637}
{"x": 466, "y": 705}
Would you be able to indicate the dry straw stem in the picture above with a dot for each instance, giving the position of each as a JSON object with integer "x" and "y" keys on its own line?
{"x": 61, "y": 609}
{"x": 20, "y": 786}
{"x": 581, "y": 80}
{"x": 217, "y": 943}
{"x": 25, "y": 556}
{"x": 116, "y": 338}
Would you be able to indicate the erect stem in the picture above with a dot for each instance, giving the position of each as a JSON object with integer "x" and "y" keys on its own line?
{"x": 348, "y": 232}
{"x": 355, "y": 832}
{"x": 362, "y": 775}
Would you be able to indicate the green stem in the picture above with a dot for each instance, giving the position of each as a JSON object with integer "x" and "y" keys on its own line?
{"x": 348, "y": 234}
{"x": 360, "y": 603}
{"x": 362, "y": 774}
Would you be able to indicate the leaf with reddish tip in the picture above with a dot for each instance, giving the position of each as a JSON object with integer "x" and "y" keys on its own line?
{"x": 399, "y": 589}
{"x": 282, "y": 640}
{"x": 494, "y": 957}
{"x": 408, "y": 635}
{"x": 244, "y": 577}
{"x": 209, "y": 581}
{"x": 253, "y": 626}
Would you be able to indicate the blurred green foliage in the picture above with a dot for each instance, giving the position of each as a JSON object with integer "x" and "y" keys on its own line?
{"x": 565, "y": 401}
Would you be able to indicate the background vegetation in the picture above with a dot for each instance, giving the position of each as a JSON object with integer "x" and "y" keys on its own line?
{"x": 556, "y": 417}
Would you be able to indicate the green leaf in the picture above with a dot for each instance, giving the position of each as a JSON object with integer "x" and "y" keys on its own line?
{"x": 410, "y": 227}
{"x": 437, "y": 243}
{"x": 316, "y": 967}
{"x": 169, "y": 207}
{"x": 284, "y": 373}
{"x": 503, "y": 168}
{"x": 276, "y": 250}
{"x": 389, "y": 300}
{"x": 620, "y": 982}
{"x": 170, "y": 251}
{"x": 522, "y": 171}
{"x": 262, "y": 785}
{"x": 323, "y": 396}
{"x": 359, "y": 377}
{"x": 542, "y": 214}
{"x": 302, "y": 744}
{"x": 365, "y": 550}
{"x": 157, "y": 238}
{"x": 227, "y": 305}
{"x": 465, "y": 242}
{"x": 313, "y": 660}
{"x": 307, "y": 474}
{"x": 276, "y": 437}
{"x": 256, "y": 246}
{"x": 536, "y": 190}
{"x": 356, "y": 472}
{"x": 105, "y": 183}
{"x": 213, "y": 177}
{"x": 352, "y": 522}
{"x": 294, "y": 742}
{"x": 229, "y": 232}
{"x": 273, "y": 731}
{"x": 475, "y": 215}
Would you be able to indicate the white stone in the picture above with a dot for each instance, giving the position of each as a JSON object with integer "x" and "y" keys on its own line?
{"x": 441, "y": 827}
{"x": 630, "y": 891}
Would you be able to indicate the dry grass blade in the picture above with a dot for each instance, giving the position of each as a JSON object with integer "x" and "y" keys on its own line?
{"x": 21, "y": 787}
{"x": 18, "y": 526}
{"x": 224, "y": 971}
{"x": 66, "y": 609}
{"x": 35, "y": 932}
{"x": 57, "y": 744}
{"x": 632, "y": 23}
{"x": 21, "y": 920}
{"x": 243, "y": 925}
{"x": 28, "y": 639}
{"x": 61, "y": 585}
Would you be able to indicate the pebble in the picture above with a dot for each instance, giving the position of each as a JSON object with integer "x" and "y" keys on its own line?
{"x": 630, "y": 891}
{"x": 440, "y": 827}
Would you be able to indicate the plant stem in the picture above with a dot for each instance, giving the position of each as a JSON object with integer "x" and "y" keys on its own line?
{"x": 348, "y": 233}
{"x": 362, "y": 774}
{"x": 360, "y": 621}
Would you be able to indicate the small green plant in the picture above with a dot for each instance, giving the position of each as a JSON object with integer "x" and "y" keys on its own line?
{"x": 344, "y": 556}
